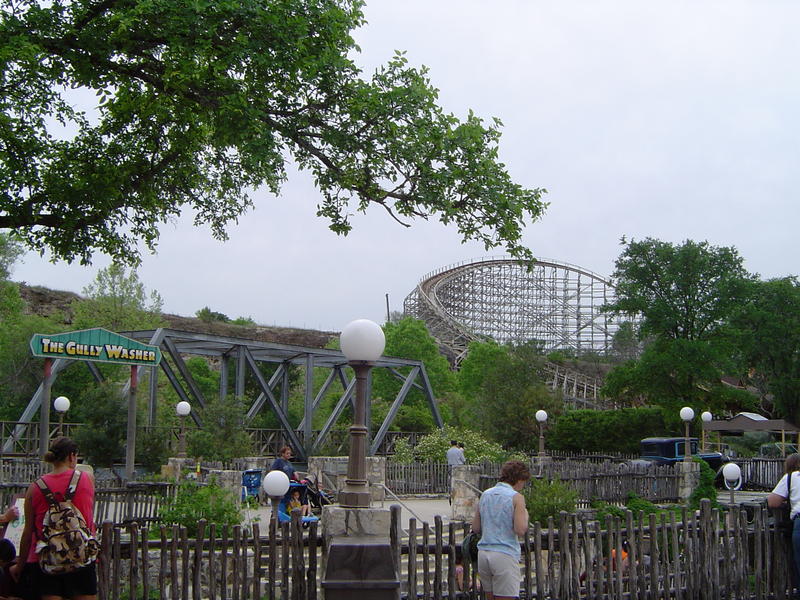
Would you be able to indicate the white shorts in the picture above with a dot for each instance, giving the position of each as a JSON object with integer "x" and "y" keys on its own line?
{"x": 499, "y": 573}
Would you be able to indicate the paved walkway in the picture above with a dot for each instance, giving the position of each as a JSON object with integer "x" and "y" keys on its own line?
{"x": 425, "y": 509}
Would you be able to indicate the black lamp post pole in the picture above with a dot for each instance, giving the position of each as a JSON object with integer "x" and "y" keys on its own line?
{"x": 687, "y": 453}
{"x": 356, "y": 490}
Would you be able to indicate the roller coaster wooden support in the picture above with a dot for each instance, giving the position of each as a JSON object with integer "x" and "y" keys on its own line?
{"x": 554, "y": 303}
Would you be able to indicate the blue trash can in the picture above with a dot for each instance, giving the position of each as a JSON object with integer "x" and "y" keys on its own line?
{"x": 251, "y": 483}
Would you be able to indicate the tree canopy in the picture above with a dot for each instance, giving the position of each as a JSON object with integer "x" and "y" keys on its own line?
{"x": 685, "y": 295}
{"x": 118, "y": 301}
{"x": 198, "y": 103}
{"x": 409, "y": 338}
{"x": 767, "y": 329}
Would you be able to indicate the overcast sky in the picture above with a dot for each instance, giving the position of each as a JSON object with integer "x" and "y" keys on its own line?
{"x": 673, "y": 120}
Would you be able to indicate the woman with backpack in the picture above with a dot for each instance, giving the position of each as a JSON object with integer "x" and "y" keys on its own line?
{"x": 57, "y": 549}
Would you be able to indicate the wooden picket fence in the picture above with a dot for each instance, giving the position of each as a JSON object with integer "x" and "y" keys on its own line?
{"x": 136, "y": 501}
{"x": 418, "y": 478}
{"x": 609, "y": 480}
{"x": 21, "y": 470}
{"x": 761, "y": 473}
{"x": 705, "y": 556}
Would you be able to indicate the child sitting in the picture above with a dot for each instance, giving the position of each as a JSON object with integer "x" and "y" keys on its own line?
{"x": 296, "y": 502}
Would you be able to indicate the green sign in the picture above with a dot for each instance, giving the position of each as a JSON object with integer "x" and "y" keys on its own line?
{"x": 98, "y": 345}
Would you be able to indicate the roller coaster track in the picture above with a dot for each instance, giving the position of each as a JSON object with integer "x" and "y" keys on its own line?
{"x": 498, "y": 298}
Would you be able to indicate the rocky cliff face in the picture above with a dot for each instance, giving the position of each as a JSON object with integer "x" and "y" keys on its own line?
{"x": 47, "y": 303}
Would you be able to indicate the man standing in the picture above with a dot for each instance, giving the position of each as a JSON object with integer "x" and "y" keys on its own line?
{"x": 500, "y": 517}
{"x": 455, "y": 455}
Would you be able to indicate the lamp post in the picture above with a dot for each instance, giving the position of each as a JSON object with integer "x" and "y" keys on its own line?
{"x": 61, "y": 404}
{"x": 182, "y": 409}
{"x": 706, "y": 417}
{"x": 541, "y": 417}
{"x": 733, "y": 478}
{"x": 362, "y": 342}
{"x": 687, "y": 414}
{"x": 275, "y": 485}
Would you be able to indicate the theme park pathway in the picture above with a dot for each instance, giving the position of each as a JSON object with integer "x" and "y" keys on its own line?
{"x": 423, "y": 508}
{"x": 426, "y": 508}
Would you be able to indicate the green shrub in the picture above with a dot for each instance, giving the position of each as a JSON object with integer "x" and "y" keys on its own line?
{"x": 636, "y": 504}
{"x": 433, "y": 447}
{"x": 152, "y": 449}
{"x": 101, "y": 438}
{"x": 604, "y": 510}
{"x": 576, "y": 430}
{"x": 403, "y": 452}
{"x": 705, "y": 488}
{"x": 223, "y": 436}
{"x": 194, "y": 502}
{"x": 547, "y": 498}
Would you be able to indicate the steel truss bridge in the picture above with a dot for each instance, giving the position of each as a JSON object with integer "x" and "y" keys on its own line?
{"x": 239, "y": 359}
{"x": 554, "y": 303}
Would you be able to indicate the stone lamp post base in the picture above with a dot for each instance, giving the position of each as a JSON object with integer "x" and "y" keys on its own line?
{"x": 359, "y": 563}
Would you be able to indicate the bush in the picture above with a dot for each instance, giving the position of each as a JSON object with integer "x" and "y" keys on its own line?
{"x": 152, "y": 449}
{"x": 547, "y": 498}
{"x": 576, "y": 430}
{"x": 194, "y": 502}
{"x": 101, "y": 439}
{"x": 634, "y": 503}
{"x": 705, "y": 488}
{"x": 223, "y": 436}
{"x": 403, "y": 452}
{"x": 605, "y": 510}
{"x": 433, "y": 447}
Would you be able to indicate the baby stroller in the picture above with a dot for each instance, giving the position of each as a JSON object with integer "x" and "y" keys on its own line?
{"x": 317, "y": 497}
{"x": 283, "y": 512}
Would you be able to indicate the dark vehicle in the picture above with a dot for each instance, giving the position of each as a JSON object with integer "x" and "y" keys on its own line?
{"x": 664, "y": 451}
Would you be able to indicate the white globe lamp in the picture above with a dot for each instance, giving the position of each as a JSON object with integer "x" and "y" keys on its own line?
{"x": 61, "y": 404}
{"x": 362, "y": 340}
{"x": 705, "y": 417}
{"x": 275, "y": 485}
{"x": 732, "y": 474}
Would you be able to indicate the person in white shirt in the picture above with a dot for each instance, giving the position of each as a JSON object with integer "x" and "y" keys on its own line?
{"x": 455, "y": 455}
{"x": 784, "y": 492}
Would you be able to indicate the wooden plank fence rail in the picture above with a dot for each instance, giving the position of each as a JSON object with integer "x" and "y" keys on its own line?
{"x": 135, "y": 502}
{"x": 610, "y": 481}
{"x": 607, "y": 482}
{"x": 761, "y": 473}
{"x": 418, "y": 478}
{"x": 685, "y": 555}
{"x": 21, "y": 470}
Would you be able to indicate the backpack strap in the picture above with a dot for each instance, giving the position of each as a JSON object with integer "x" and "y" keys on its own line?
{"x": 73, "y": 485}
{"x": 69, "y": 493}
{"x": 46, "y": 492}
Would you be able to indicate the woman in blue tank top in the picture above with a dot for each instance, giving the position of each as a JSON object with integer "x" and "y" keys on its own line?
{"x": 500, "y": 517}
